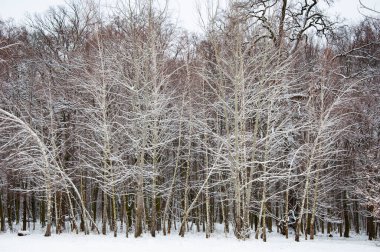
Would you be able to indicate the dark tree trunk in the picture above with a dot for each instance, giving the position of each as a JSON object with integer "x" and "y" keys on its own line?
{"x": 17, "y": 206}
{"x": 269, "y": 219}
{"x": 24, "y": 213}
{"x": 2, "y": 217}
{"x": 346, "y": 225}
{"x": 48, "y": 230}
{"x": 329, "y": 227}
{"x": 312, "y": 230}
{"x": 153, "y": 220}
{"x": 34, "y": 215}
{"x": 356, "y": 218}
{"x": 139, "y": 208}
{"x": 127, "y": 214}
{"x": 104, "y": 214}
{"x": 298, "y": 229}
{"x": 94, "y": 205}
{"x": 9, "y": 211}
{"x": 370, "y": 224}
{"x": 256, "y": 220}
{"x": 322, "y": 227}
{"x": 42, "y": 214}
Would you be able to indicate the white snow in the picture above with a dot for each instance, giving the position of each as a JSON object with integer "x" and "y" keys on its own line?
{"x": 36, "y": 242}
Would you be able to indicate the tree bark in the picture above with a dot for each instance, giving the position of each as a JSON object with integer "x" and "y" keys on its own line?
{"x": 48, "y": 211}
{"x": 2, "y": 217}
{"x": 139, "y": 207}
{"x": 370, "y": 223}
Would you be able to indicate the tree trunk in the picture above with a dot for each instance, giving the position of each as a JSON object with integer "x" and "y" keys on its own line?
{"x": 24, "y": 213}
{"x": 34, "y": 214}
{"x": 48, "y": 211}
{"x": 94, "y": 205}
{"x": 9, "y": 211}
{"x": 269, "y": 219}
{"x": 72, "y": 215}
{"x": 104, "y": 214}
{"x": 56, "y": 214}
{"x": 314, "y": 208}
{"x": 17, "y": 207}
{"x": 356, "y": 218}
{"x": 114, "y": 214}
{"x": 2, "y": 217}
{"x": 42, "y": 214}
{"x": 185, "y": 197}
{"x": 346, "y": 217}
{"x": 153, "y": 223}
{"x": 139, "y": 207}
{"x": 305, "y": 194}
{"x": 126, "y": 211}
{"x": 370, "y": 223}
{"x": 169, "y": 199}
{"x": 208, "y": 219}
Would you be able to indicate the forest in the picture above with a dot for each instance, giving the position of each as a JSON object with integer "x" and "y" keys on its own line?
{"x": 115, "y": 121}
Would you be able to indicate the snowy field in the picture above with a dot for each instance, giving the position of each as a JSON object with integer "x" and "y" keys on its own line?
{"x": 36, "y": 242}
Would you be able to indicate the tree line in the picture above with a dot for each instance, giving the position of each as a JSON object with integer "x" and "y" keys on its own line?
{"x": 114, "y": 120}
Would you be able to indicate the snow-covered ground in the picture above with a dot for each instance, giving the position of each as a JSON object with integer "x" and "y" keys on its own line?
{"x": 36, "y": 242}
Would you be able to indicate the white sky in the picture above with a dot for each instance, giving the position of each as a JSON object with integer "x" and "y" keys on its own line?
{"x": 183, "y": 10}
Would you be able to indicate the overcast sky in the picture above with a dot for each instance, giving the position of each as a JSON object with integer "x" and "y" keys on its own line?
{"x": 183, "y": 10}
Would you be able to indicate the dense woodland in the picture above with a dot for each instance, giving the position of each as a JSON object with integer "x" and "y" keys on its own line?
{"x": 115, "y": 121}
